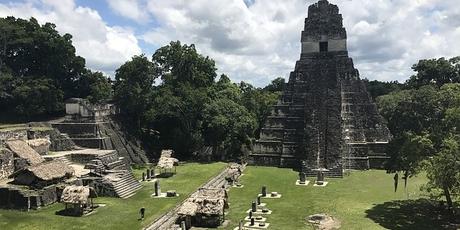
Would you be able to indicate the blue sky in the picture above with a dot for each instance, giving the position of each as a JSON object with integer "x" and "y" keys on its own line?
{"x": 113, "y": 19}
{"x": 251, "y": 40}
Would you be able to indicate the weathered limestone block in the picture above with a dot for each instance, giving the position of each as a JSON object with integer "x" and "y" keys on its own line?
{"x": 41, "y": 145}
{"x": 12, "y": 134}
{"x": 6, "y": 163}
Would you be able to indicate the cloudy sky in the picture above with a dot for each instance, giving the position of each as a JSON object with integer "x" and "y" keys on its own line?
{"x": 251, "y": 40}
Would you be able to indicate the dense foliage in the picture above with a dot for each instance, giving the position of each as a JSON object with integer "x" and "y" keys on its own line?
{"x": 435, "y": 72}
{"x": 424, "y": 119}
{"x": 39, "y": 69}
{"x": 378, "y": 88}
{"x": 189, "y": 110}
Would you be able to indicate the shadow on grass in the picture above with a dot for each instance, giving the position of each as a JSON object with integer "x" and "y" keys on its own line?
{"x": 412, "y": 214}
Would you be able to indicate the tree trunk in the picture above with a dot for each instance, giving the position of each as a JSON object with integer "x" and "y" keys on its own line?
{"x": 448, "y": 198}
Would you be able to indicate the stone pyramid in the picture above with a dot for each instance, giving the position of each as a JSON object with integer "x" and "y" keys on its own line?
{"x": 325, "y": 117}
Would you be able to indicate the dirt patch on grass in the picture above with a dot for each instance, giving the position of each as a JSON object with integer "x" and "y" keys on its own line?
{"x": 323, "y": 221}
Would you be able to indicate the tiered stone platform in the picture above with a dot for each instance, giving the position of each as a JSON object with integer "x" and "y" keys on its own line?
{"x": 325, "y": 115}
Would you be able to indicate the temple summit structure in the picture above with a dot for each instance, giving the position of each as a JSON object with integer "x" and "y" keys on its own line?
{"x": 325, "y": 118}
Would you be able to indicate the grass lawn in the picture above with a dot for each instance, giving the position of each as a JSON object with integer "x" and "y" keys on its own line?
{"x": 362, "y": 200}
{"x": 12, "y": 127}
{"x": 21, "y": 126}
{"x": 118, "y": 213}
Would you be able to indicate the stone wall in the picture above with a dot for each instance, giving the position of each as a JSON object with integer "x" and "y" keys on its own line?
{"x": 6, "y": 163}
{"x": 82, "y": 158}
{"x": 41, "y": 145}
{"x": 13, "y": 134}
{"x": 16, "y": 197}
{"x": 101, "y": 186}
{"x": 75, "y": 130}
{"x": 92, "y": 143}
{"x": 20, "y": 163}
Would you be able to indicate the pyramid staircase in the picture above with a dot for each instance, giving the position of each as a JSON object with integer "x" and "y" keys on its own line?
{"x": 64, "y": 159}
{"x": 126, "y": 186}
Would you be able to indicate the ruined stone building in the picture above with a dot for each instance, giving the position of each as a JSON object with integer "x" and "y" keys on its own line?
{"x": 92, "y": 126}
{"x": 325, "y": 117}
{"x": 31, "y": 176}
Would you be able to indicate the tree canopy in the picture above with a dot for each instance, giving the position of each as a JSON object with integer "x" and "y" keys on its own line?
{"x": 189, "y": 104}
{"x": 424, "y": 119}
{"x": 435, "y": 71}
{"x": 39, "y": 69}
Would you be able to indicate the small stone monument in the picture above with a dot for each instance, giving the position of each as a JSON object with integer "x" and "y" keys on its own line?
{"x": 148, "y": 174}
{"x": 171, "y": 193}
{"x": 253, "y": 222}
{"x": 143, "y": 176}
{"x": 250, "y": 214}
{"x": 254, "y": 207}
{"x": 240, "y": 226}
{"x": 320, "y": 177}
{"x": 302, "y": 178}
{"x": 157, "y": 188}
{"x": 264, "y": 191}
{"x": 152, "y": 173}
{"x": 258, "y": 200}
{"x": 183, "y": 226}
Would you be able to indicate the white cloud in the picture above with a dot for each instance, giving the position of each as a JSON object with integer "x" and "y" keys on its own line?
{"x": 104, "y": 47}
{"x": 253, "y": 44}
{"x": 132, "y": 9}
{"x": 259, "y": 41}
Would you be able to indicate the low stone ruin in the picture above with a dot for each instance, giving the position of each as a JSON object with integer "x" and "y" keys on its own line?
{"x": 167, "y": 162}
{"x": 233, "y": 174}
{"x": 108, "y": 174}
{"x": 43, "y": 174}
{"x": 205, "y": 208}
{"x": 28, "y": 180}
{"x": 78, "y": 200}
{"x": 40, "y": 145}
{"x": 95, "y": 126}
{"x": 30, "y": 177}
{"x": 324, "y": 221}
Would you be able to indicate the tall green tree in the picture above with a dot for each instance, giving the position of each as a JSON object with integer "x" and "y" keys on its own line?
{"x": 37, "y": 97}
{"x": 276, "y": 85}
{"x": 133, "y": 87}
{"x": 39, "y": 68}
{"x": 95, "y": 87}
{"x": 435, "y": 71}
{"x": 443, "y": 170}
{"x": 378, "y": 88}
{"x": 177, "y": 63}
{"x": 227, "y": 124}
{"x": 178, "y": 102}
{"x": 29, "y": 49}
{"x": 260, "y": 101}
{"x": 424, "y": 123}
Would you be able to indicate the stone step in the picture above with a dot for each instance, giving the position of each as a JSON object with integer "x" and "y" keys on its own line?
{"x": 127, "y": 190}
{"x": 127, "y": 185}
{"x": 128, "y": 193}
{"x": 64, "y": 159}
